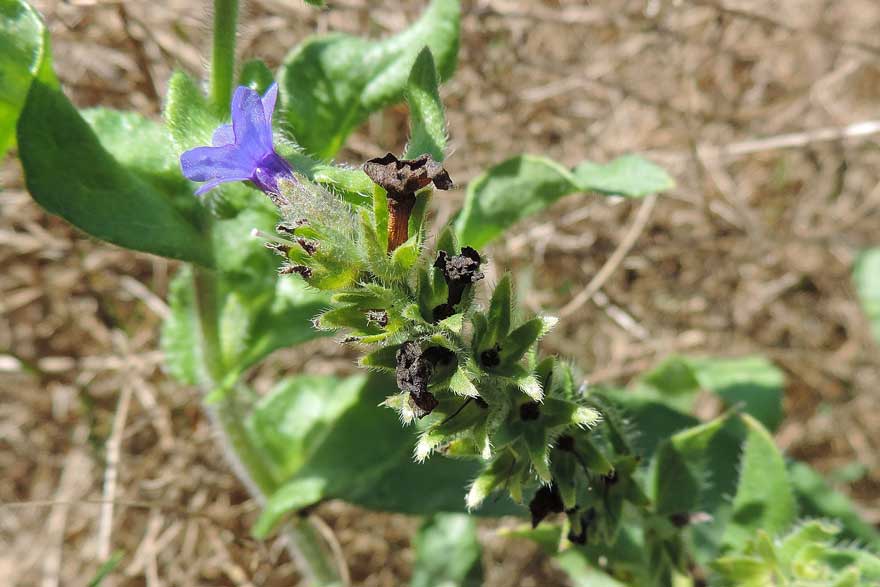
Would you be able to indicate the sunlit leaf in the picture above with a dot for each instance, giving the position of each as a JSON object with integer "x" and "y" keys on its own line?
{"x": 331, "y": 83}
{"x": 69, "y": 173}
{"x": 25, "y": 54}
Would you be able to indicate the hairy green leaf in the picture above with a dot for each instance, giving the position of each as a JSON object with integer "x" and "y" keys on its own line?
{"x": 25, "y": 54}
{"x": 331, "y": 83}
{"x": 448, "y": 553}
{"x": 764, "y": 498}
{"x": 69, "y": 173}
{"x": 427, "y": 121}
{"x": 866, "y": 276}
{"x": 187, "y": 114}
{"x": 681, "y": 469}
{"x": 180, "y": 335}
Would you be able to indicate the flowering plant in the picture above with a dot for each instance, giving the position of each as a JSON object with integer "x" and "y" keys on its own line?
{"x": 629, "y": 486}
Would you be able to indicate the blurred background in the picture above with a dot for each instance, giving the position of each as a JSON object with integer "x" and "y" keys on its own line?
{"x": 766, "y": 113}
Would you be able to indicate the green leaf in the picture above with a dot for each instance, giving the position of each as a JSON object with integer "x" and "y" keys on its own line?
{"x": 764, "y": 498}
{"x": 330, "y": 84}
{"x": 256, "y": 75}
{"x": 25, "y": 55}
{"x": 427, "y": 121}
{"x": 629, "y": 175}
{"x": 447, "y": 552}
{"x": 187, "y": 114}
{"x": 261, "y": 311}
{"x": 817, "y": 498}
{"x": 180, "y": 340}
{"x": 674, "y": 376}
{"x": 144, "y": 147}
{"x": 753, "y": 381}
{"x": 69, "y": 173}
{"x": 681, "y": 469}
{"x": 866, "y": 276}
{"x": 284, "y": 321}
{"x": 509, "y": 192}
{"x": 328, "y": 436}
{"x": 526, "y": 184}
{"x": 294, "y": 418}
{"x": 654, "y": 421}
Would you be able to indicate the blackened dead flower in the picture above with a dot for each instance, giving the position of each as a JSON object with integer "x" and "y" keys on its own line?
{"x": 547, "y": 501}
{"x": 406, "y": 176}
{"x": 459, "y": 271}
{"x": 401, "y": 179}
{"x": 414, "y": 370}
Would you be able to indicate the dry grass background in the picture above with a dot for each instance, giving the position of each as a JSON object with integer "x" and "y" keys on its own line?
{"x": 750, "y": 254}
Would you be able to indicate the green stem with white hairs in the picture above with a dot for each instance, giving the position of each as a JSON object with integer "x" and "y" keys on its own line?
{"x": 223, "y": 54}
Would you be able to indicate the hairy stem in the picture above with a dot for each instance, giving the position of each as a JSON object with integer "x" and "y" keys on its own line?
{"x": 223, "y": 54}
{"x": 304, "y": 542}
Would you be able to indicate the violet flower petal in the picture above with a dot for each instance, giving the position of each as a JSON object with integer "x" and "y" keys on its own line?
{"x": 252, "y": 134}
{"x": 269, "y": 99}
{"x": 209, "y": 163}
{"x": 224, "y": 135}
{"x": 210, "y": 185}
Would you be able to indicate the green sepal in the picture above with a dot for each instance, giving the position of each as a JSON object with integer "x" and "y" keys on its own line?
{"x": 499, "y": 313}
{"x": 384, "y": 358}
{"x": 595, "y": 461}
{"x": 492, "y": 476}
{"x": 461, "y": 384}
{"x": 405, "y": 257}
{"x": 539, "y": 451}
{"x": 380, "y": 216}
{"x": 566, "y": 475}
{"x": 518, "y": 342}
{"x": 419, "y": 214}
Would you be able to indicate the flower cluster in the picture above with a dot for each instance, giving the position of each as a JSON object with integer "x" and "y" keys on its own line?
{"x": 469, "y": 377}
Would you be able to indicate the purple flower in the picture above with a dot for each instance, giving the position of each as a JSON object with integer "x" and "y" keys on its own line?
{"x": 241, "y": 151}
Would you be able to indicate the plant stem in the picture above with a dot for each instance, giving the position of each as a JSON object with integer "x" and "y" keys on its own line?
{"x": 228, "y": 416}
{"x": 223, "y": 54}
